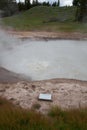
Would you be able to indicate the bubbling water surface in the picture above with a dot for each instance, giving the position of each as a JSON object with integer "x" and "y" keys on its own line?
{"x": 41, "y": 59}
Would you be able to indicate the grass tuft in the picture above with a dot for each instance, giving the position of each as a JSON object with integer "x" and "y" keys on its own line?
{"x": 36, "y": 106}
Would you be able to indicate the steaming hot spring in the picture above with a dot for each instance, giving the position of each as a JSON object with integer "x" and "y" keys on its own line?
{"x": 40, "y": 59}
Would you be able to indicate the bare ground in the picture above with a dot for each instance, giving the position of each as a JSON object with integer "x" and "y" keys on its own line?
{"x": 49, "y": 35}
{"x": 66, "y": 94}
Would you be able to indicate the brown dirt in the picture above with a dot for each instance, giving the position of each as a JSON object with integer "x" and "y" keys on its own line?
{"x": 66, "y": 94}
{"x": 49, "y": 35}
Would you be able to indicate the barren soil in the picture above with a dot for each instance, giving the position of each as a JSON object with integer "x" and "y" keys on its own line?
{"x": 66, "y": 94}
{"x": 49, "y": 35}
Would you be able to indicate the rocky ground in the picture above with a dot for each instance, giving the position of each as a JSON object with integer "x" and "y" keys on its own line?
{"x": 65, "y": 94}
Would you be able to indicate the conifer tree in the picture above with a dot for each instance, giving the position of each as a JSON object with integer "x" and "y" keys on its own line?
{"x": 58, "y": 3}
{"x": 81, "y": 9}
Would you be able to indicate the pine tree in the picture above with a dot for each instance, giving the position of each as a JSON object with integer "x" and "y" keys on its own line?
{"x": 27, "y": 4}
{"x": 81, "y": 9}
{"x": 9, "y": 7}
{"x": 58, "y": 3}
{"x": 75, "y": 2}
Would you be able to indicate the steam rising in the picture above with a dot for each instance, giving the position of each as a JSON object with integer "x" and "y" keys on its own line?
{"x": 44, "y": 59}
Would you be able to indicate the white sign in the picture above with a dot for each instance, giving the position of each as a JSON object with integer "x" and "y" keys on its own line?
{"x": 47, "y": 97}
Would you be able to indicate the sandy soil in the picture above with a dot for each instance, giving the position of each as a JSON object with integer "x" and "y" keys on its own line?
{"x": 65, "y": 93}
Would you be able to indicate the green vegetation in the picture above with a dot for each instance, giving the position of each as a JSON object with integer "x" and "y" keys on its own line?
{"x": 36, "y": 106}
{"x": 9, "y": 7}
{"x": 15, "y": 118}
{"x": 45, "y": 18}
{"x": 81, "y": 13}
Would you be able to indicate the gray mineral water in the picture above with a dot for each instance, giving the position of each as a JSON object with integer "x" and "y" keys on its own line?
{"x": 40, "y": 59}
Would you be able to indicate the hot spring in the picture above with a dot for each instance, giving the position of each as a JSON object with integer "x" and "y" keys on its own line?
{"x": 40, "y": 59}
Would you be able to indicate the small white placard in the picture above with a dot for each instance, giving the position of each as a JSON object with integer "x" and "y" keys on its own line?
{"x": 45, "y": 97}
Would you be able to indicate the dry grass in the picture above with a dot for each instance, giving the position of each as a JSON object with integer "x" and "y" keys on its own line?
{"x": 75, "y": 119}
{"x": 15, "y": 118}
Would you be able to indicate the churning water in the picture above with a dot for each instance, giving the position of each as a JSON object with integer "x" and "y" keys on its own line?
{"x": 44, "y": 59}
